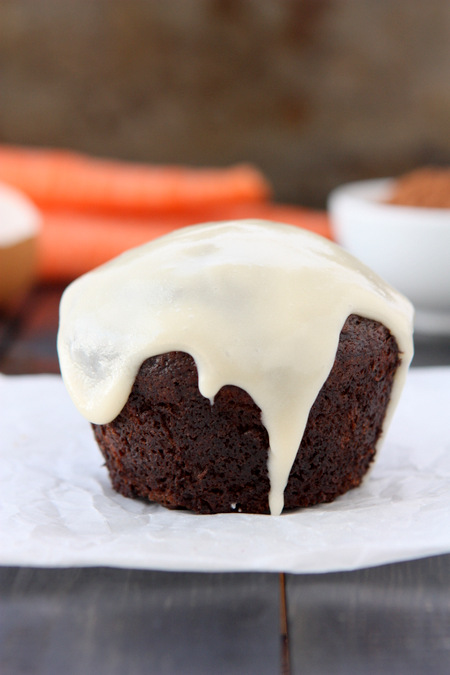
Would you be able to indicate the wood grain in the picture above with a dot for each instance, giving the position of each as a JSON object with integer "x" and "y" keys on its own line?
{"x": 392, "y": 619}
{"x": 104, "y": 621}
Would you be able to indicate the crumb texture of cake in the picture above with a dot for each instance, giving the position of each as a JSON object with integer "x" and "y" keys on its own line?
{"x": 428, "y": 187}
{"x": 208, "y": 350}
{"x": 171, "y": 446}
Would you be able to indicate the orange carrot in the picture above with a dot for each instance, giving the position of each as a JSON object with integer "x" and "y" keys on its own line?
{"x": 61, "y": 179}
{"x": 77, "y": 243}
{"x": 72, "y": 243}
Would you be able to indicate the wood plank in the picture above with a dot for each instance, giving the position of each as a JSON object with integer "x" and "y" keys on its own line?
{"x": 392, "y": 619}
{"x": 114, "y": 621}
{"x": 29, "y": 344}
{"x": 9, "y": 324}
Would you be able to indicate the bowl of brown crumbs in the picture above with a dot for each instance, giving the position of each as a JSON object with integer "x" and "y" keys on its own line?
{"x": 400, "y": 227}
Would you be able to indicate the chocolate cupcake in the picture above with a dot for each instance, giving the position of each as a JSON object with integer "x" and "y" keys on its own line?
{"x": 244, "y": 366}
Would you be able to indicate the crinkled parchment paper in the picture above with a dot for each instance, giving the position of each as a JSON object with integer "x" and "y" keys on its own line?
{"x": 58, "y": 509}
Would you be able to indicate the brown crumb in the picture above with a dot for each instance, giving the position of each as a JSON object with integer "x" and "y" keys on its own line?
{"x": 427, "y": 187}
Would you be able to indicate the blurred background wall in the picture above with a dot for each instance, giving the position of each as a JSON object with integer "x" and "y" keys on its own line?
{"x": 315, "y": 92}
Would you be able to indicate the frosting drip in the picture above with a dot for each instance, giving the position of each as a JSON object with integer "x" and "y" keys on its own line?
{"x": 258, "y": 305}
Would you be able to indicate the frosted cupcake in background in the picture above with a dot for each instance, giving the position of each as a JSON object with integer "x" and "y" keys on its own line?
{"x": 19, "y": 229}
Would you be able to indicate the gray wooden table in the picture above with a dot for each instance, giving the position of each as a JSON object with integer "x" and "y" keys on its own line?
{"x": 389, "y": 619}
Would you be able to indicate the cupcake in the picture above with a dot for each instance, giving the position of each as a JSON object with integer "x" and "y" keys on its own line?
{"x": 242, "y": 366}
{"x": 19, "y": 231}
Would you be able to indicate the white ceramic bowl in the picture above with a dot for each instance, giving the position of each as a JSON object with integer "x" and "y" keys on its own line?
{"x": 409, "y": 247}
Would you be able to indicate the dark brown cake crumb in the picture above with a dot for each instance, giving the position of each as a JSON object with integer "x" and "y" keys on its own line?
{"x": 171, "y": 446}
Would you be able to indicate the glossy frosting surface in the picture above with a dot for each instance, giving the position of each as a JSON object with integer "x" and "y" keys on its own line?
{"x": 257, "y": 304}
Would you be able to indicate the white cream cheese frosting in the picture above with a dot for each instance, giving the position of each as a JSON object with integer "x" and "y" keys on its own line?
{"x": 19, "y": 219}
{"x": 257, "y": 304}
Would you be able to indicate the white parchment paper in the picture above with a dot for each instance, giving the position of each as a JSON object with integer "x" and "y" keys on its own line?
{"x": 58, "y": 509}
